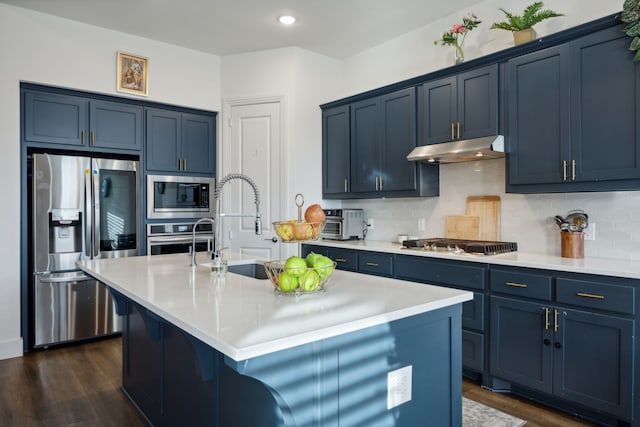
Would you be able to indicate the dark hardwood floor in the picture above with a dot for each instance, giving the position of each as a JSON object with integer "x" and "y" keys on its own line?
{"x": 79, "y": 385}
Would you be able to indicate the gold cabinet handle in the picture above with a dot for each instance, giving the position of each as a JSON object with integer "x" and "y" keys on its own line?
{"x": 555, "y": 320}
{"x": 376, "y": 183}
{"x": 516, "y": 285}
{"x": 345, "y": 185}
{"x": 179, "y": 164}
{"x": 458, "y": 130}
{"x": 341, "y": 260}
{"x": 93, "y": 138}
{"x": 82, "y": 137}
{"x": 184, "y": 163}
{"x": 564, "y": 170}
{"x": 546, "y": 319}
{"x": 585, "y": 295}
{"x": 573, "y": 170}
{"x": 373, "y": 264}
{"x": 453, "y": 131}
{"x": 380, "y": 182}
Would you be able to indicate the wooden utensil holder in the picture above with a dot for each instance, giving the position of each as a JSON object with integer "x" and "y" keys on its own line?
{"x": 572, "y": 244}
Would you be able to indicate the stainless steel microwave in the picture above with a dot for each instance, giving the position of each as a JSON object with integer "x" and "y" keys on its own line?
{"x": 170, "y": 196}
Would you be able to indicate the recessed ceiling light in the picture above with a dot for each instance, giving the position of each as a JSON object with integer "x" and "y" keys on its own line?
{"x": 286, "y": 19}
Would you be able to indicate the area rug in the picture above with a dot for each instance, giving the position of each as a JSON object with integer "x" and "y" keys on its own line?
{"x": 476, "y": 414}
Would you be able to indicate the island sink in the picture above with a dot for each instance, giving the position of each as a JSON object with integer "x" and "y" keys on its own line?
{"x": 254, "y": 270}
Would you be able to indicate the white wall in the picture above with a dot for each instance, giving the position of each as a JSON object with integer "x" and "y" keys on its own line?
{"x": 526, "y": 219}
{"x": 40, "y": 48}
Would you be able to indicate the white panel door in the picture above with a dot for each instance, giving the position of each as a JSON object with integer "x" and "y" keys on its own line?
{"x": 254, "y": 148}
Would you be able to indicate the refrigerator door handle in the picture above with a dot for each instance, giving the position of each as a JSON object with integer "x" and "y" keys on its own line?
{"x": 95, "y": 207}
{"x": 68, "y": 279}
{"x": 88, "y": 214}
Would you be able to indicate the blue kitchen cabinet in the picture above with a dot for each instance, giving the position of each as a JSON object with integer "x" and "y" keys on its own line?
{"x": 567, "y": 336}
{"x": 75, "y": 121}
{"x": 573, "y": 115}
{"x": 336, "y": 166}
{"x": 459, "y": 275}
{"x": 461, "y": 106}
{"x": 365, "y": 147}
{"x": 179, "y": 142}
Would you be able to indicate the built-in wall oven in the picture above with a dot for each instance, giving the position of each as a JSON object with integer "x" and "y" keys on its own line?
{"x": 170, "y": 197}
{"x": 175, "y": 238}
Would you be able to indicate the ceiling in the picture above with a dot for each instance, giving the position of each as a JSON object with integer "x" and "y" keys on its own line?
{"x": 335, "y": 28}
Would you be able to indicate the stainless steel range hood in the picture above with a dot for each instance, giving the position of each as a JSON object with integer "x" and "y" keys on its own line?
{"x": 491, "y": 147}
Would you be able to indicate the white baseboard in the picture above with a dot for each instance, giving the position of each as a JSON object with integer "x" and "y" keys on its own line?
{"x": 11, "y": 348}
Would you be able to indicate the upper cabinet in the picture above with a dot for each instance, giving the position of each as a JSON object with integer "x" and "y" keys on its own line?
{"x": 573, "y": 117}
{"x": 365, "y": 147}
{"x": 461, "y": 106}
{"x": 53, "y": 118}
{"x": 180, "y": 143}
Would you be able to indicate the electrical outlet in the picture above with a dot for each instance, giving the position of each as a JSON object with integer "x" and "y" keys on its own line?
{"x": 590, "y": 232}
{"x": 370, "y": 223}
{"x": 422, "y": 224}
{"x": 399, "y": 386}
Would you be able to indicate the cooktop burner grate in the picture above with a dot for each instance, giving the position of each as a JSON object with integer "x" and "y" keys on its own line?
{"x": 463, "y": 246}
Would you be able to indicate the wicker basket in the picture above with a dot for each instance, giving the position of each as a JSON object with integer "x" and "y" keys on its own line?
{"x": 275, "y": 268}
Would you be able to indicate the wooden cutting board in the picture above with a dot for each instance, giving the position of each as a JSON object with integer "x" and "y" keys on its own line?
{"x": 487, "y": 208}
{"x": 463, "y": 227}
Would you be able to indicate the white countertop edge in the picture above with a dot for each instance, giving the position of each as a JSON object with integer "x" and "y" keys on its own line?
{"x": 588, "y": 265}
{"x": 240, "y": 354}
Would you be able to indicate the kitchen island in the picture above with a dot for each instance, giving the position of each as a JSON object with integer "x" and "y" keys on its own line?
{"x": 228, "y": 351}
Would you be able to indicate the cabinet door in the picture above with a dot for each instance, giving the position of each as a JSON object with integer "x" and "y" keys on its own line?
{"x": 365, "y": 156}
{"x": 164, "y": 133}
{"x": 398, "y": 139}
{"x": 54, "y": 118}
{"x": 520, "y": 343}
{"x": 115, "y": 125}
{"x": 336, "y": 156}
{"x": 198, "y": 144}
{"x": 593, "y": 361}
{"x": 478, "y": 102}
{"x": 605, "y": 107}
{"x": 539, "y": 128}
{"x": 439, "y": 110}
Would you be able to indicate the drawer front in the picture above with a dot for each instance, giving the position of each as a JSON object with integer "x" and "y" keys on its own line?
{"x": 345, "y": 259}
{"x": 441, "y": 272}
{"x": 473, "y": 312}
{"x": 380, "y": 264}
{"x": 596, "y": 295}
{"x": 520, "y": 284}
{"x": 473, "y": 350}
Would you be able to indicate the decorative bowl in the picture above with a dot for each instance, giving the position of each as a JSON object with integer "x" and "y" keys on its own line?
{"x": 298, "y": 231}
{"x": 305, "y": 281}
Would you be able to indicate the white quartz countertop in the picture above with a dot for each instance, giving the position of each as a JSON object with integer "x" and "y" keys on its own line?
{"x": 599, "y": 266}
{"x": 243, "y": 318}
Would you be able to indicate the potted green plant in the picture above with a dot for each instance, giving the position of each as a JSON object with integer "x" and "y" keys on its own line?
{"x": 631, "y": 16}
{"x": 522, "y": 25}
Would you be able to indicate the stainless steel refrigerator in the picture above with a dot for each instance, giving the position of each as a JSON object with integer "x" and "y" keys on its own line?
{"x": 81, "y": 208}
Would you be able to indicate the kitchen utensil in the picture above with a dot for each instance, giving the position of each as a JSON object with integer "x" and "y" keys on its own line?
{"x": 488, "y": 209}
{"x": 578, "y": 218}
{"x": 560, "y": 221}
{"x": 463, "y": 227}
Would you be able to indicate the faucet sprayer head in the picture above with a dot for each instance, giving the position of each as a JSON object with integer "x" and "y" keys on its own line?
{"x": 258, "y": 224}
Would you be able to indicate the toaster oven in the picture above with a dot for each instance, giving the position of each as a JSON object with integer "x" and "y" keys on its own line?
{"x": 343, "y": 224}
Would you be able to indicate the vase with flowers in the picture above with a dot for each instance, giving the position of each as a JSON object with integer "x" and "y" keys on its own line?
{"x": 457, "y": 34}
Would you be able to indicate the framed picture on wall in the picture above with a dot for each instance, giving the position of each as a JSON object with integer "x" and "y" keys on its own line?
{"x": 132, "y": 74}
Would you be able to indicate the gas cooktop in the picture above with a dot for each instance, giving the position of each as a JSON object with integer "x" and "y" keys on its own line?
{"x": 476, "y": 247}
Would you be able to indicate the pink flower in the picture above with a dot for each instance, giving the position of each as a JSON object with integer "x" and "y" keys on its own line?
{"x": 458, "y": 28}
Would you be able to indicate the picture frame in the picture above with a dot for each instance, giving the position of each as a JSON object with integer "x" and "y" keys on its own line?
{"x": 132, "y": 74}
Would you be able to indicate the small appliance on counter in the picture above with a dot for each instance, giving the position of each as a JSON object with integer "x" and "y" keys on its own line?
{"x": 343, "y": 224}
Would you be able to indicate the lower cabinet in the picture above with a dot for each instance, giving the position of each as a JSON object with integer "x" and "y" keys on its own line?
{"x": 579, "y": 354}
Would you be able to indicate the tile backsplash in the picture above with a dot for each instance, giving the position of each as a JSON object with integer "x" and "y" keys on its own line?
{"x": 527, "y": 219}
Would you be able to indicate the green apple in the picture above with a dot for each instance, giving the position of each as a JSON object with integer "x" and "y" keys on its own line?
{"x": 323, "y": 266}
{"x": 309, "y": 281}
{"x": 311, "y": 259}
{"x": 287, "y": 282}
{"x": 295, "y": 266}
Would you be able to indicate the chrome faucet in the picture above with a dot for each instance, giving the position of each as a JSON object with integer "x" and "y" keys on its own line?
{"x": 193, "y": 237}
{"x": 217, "y": 243}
